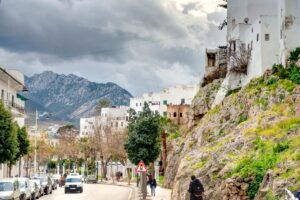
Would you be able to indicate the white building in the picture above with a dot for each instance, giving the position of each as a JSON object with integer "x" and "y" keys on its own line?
{"x": 267, "y": 30}
{"x": 11, "y": 82}
{"x": 115, "y": 117}
{"x": 177, "y": 95}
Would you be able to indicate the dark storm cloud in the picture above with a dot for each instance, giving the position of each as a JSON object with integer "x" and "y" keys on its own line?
{"x": 126, "y": 41}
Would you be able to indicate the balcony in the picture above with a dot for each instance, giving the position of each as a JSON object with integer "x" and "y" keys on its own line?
{"x": 15, "y": 108}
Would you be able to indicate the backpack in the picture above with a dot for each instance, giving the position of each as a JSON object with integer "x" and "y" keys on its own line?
{"x": 198, "y": 190}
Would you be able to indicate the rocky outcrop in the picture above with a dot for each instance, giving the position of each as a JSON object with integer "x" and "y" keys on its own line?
{"x": 254, "y": 128}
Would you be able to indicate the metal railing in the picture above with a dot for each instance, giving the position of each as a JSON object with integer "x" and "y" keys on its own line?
{"x": 13, "y": 105}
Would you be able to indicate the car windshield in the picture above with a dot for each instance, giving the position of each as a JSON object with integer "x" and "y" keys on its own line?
{"x": 73, "y": 180}
{"x": 6, "y": 186}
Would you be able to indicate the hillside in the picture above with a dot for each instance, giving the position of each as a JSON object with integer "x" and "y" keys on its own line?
{"x": 248, "y": 147}
{"x": 69, "y": 97}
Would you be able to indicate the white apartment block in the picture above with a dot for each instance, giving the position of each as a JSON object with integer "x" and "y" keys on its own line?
{"x": 115, "y": 118}
{"x": 178, "y": 95}
{"x": 267, "y": 29}
{"x": 11, "y": 82}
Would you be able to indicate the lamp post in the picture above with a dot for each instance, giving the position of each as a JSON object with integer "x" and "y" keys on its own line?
{"x": 35, "y": 142}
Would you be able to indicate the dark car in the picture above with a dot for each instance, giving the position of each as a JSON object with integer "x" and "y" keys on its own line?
{"x": 91, "y": 179}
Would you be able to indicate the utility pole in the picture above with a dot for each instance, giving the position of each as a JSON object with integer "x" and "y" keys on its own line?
{"x": 35, "y": 142}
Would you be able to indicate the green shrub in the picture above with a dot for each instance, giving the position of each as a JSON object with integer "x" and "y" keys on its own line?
{"x": 294, "y": 55}
{"x": 281, "y": 147}
{"x": 233, "y": 91}
{"x": 242, "y": 118}
{"x": 294, "y": 73}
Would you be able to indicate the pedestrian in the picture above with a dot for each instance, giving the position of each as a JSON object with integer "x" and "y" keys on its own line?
{"x": 196, "y": 189}
{"x": 152, "y": 183}
{"x": 297, "y": 194}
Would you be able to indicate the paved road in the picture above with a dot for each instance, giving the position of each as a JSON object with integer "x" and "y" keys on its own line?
{"x": 92, "y": 192}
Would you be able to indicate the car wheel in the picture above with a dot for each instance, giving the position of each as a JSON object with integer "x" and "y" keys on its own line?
{"x": 66, "y": 191}
{"x": 81, "y": 190}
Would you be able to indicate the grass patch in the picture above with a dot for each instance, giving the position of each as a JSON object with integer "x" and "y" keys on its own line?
{"x": 199, "y": 164}
{"x": 234, "y": 91}
{"x": 161, "y": 180}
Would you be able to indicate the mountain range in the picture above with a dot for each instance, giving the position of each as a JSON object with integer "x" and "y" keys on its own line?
{"x": 69, "y": 97}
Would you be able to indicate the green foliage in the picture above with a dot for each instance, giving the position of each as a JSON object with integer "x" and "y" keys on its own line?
{"x": 14, "y": 145}
{"x": 8, "y": 137}
{"x": 294, "y": 55}
{"x": 234, "y": 91}
{"x": 103, "y": 103}
{"x": 292, "y": 72}
{"x": 259, "y": 162}
{"x": 175, "y": 135}
{"x": 23, "y": 142}
{"x": 51, "y": 164}
{"x": 270, "y": 196}
{"x": 242, "y": 118}
{"x": 144, "y": 136}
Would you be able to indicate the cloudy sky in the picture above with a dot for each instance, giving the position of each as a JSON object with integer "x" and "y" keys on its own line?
{"x": 142, "y": 45}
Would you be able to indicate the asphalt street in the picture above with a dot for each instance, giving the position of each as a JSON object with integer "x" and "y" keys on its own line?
{"x": 92, "y": 192}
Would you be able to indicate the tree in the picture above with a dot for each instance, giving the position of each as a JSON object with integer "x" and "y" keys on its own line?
{"x": 144, "y": 139}
{"x": 144, "y": 136}
{"x": 23, "y": 145}
{"x": 15, "y": 147}
{"x": 7, "y": 147}
{"x": 103, "y": 103}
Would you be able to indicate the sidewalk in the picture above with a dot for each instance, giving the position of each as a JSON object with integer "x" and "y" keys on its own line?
{"x": 161, "y": 193}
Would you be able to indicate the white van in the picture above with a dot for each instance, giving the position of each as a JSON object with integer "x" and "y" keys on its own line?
{"x": 9, "y": 189}
{"x": 25, "y": 188}
{"x": 73, "y": 184}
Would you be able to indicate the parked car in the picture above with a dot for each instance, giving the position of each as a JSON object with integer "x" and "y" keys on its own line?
{"x": 91, "y": 179}
{"x": 46, "y": 184}
{"x": 35, "y": 193}
{"x": 25, "y": 188}
{"x": 40, "y": 187}
{"x": 54, "y": 183}
{"x": 73, "y": 184}
{"x": 9, "y": 189}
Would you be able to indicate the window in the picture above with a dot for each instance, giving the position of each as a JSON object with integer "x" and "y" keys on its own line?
{"x": 165, "y": 102}
{"x": 267, "y": 37}
{"x": 181, "y": 115}
{"x": 174, "y": 114}
{"x": 116, "y": 124}
{"x": 12, "y": 100}
{"x": 122, "y": 124}
{"x": 211, "y": 59}
{"x": 137, "y": 104}
{"x": 182, "y": 101}
{"x": 257, "y": 37}
{"x": 165, "y": 114}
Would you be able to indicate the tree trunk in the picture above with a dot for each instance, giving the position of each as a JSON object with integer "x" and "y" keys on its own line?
{"x": 144, "y": 185}
{"x": 129, "y": 175}
{"x": 164, "y": 152}
{"x": 20, "y": 163}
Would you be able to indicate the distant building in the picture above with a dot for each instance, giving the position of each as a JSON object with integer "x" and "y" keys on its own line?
{"x": 259, "y": 35}
{"x": 178, "y": 114}
{"x": 178, "y": 95}
{"x": 115, "y": 118}
{"x": 12, "y": 82}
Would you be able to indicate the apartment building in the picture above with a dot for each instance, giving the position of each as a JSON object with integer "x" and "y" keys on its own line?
{"x": 178, "y": 95}
{"x": 12, "y": 82}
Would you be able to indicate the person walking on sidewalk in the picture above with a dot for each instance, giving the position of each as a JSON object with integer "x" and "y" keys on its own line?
{"x": 152, "y": 183}
{"x": 196, "y": 189}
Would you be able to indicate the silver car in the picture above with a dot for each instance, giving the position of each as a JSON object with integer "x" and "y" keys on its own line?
{"x": 9, "y": 189}
{"x": 34, "y": 190}
{"x": 25, "y": 188}
{"x": 39, "y": 185}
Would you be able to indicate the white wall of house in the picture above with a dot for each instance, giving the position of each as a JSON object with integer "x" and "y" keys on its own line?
{"x": 280, "y": 19}
{"x": 177, "y": 95}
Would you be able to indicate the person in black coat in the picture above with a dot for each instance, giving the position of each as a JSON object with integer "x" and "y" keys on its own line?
{"x": 196, "y": 189}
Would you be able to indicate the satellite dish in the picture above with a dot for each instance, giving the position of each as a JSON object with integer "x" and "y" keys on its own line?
{"x": 246, "y": 20}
